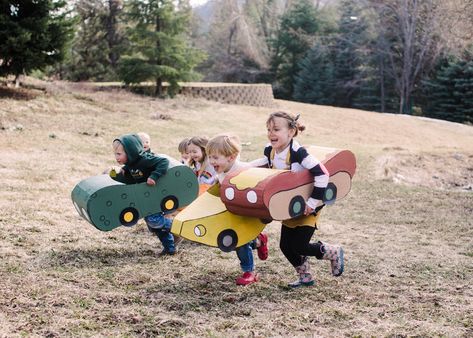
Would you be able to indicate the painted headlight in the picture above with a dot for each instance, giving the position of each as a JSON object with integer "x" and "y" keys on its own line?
{"x": 251, "y": 196}
{"x": 230, "y": 193}
{"x": 200, "y": 230}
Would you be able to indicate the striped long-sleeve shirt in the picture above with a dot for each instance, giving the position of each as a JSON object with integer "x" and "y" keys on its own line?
{"x": 295, "y": 157}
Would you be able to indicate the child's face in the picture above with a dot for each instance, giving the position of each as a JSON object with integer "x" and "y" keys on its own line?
{"x": 146, "y": 142}
{"x": 185, "y": 156}
{"x": 120, "y": 154}
{"x": 221, "y": 163}
{"x": 195, "y": 153}
{"x": 279, "y": 133}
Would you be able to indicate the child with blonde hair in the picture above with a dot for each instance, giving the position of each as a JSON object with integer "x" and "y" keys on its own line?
{"x": 140, "y": 166}
{"x": 283, "y": 152}
{"x": 198, "y": 160}
{"x": 223, "y": 152}
{"x": 182, "y": 148}
{"x": 146, "y": 141}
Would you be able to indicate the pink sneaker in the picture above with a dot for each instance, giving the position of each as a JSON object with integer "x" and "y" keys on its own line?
{"x": 247, "y": 278}
{"x": 263, "y": 248}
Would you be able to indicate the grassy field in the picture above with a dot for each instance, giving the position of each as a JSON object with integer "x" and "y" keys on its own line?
{"x": 406, "y": 226}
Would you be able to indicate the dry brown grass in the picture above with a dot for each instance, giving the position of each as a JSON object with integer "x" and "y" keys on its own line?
{"x": 409, "y": 247}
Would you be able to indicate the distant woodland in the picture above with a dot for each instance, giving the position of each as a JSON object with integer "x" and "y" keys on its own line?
{"x": 397, "y": 56}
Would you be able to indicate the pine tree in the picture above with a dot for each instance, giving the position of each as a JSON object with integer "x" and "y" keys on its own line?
{"x": 347, "y": 52}
{"x": 159, "y": 48}
{"x": 368, "y": 89}
{"x": 97, "y": 43}
{"x": 315, "y": 82}
{"x": 464, "y": 86}
{"x": 88, "y": 60}
{"x": 295, "y": 37}
{"x": 340, "y": 69}
{"x": 450, "y": 90}
{"x": 33, "y": 35}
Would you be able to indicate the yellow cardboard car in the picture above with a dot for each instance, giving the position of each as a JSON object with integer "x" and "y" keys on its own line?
{"x": 207, "y": 221}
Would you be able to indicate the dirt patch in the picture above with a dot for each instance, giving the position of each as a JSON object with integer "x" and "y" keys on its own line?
{"x": 451, "y": 171}
{"x": 18, "y": 93}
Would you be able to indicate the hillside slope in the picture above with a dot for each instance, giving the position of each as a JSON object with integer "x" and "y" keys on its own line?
{"x": 407, "y": 234}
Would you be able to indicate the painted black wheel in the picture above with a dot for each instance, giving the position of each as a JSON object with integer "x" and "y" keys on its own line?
{"x": 169, "y": 203}
{"x": 296, "y": 206}
{"x": 129, "y": 217}
{"x": 330, "y": 194}
{"x": 227, "y": 240}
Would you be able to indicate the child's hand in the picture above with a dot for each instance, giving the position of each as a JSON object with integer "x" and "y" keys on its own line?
{"x": 150, "y": 181}
{"x": 113, "y": 171}
{"x": 308, "y": 210}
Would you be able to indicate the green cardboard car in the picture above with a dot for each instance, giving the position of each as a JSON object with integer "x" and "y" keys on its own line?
{"x": 108, "y": 204}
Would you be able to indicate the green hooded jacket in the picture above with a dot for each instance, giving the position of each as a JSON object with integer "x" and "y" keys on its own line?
{"x": 140, "y": 164}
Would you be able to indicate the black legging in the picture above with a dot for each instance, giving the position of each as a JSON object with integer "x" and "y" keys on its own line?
{"x": 295, "y": 243}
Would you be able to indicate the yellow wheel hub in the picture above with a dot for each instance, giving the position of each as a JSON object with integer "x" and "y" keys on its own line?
{"x": 128, "y": 217}
{"x": 169, "y": 204}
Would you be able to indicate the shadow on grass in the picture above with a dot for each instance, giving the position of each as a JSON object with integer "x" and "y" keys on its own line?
{"x": 96, "y": 258}
{"x": 18, "y": 93}
{"x": 207, "y": 292}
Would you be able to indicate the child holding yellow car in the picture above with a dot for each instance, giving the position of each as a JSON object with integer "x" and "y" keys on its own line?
{"x": 223, "y": 151}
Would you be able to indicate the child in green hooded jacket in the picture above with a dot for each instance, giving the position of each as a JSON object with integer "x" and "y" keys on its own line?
{"x": 140, "y": 166}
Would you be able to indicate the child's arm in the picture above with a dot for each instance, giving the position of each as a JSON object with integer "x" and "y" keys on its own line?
{"x": 321, "y": 177}
{"x": 160, "y": 166}
{"x": 123, "y": 175}
{"x": 259, "y": 163}
{"x": 262, "y": 162}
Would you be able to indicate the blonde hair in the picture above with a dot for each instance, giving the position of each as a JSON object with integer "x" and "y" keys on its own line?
{"x": 116, "y": 143}
{"x": 292, "y": 121}
{"x": 143, "y": 135}
{"x": 224, "y": 144}
{"x": 201, "y": 142}
{"x": 182, "y": 147}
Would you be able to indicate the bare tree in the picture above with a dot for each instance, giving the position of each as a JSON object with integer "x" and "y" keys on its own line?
{"x": 410, "y": 42}
{"x": 237, "y": 39}
{"x": 457, "y": 25}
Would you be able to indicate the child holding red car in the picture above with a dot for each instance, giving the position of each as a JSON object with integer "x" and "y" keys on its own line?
{"x": 284, "y": 152}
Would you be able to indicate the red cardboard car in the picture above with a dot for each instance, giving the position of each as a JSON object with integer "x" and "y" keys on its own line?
{"x": 281, "y": 194}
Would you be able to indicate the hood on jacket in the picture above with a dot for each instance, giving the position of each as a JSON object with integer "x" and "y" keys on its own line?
{"x": 132, "y": 146}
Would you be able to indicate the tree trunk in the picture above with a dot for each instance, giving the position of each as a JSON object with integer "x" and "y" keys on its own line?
{"x": 112, "y": 33}
{"x": 17, "y": 80}
{"x": 401, "y": 103}
{"x": 159, "y": 87}
{"x": 382, "y": 88}
{"x": 412, "y": 46}
{"x": 159, "y": 82}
